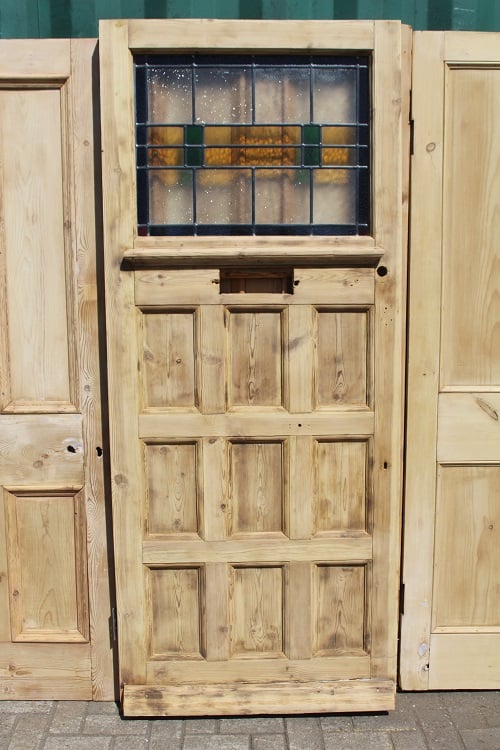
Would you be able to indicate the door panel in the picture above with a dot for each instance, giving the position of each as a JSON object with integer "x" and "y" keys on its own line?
{"x": 256, "y": 405}
{"x": 54, "y": 640}
{"x": 452, "y": 566}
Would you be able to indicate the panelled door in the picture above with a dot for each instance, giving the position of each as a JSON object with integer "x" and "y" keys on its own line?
{"x": 451, "y": 622}
{"x": 54, "y": 637}
{"x": 256, "y": 382}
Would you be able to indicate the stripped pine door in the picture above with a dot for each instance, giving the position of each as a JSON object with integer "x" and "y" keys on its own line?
{"x": 256, "y": 408}
{"x": 54, "y": 640}
{"x": 451, "y": 622}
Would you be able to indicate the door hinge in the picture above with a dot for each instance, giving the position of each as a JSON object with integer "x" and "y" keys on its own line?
{"x": 402, "y": 599}
{"x": 113, "y": 625}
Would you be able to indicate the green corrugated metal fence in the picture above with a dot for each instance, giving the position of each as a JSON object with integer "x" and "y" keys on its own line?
{"x": 79, "y": 18}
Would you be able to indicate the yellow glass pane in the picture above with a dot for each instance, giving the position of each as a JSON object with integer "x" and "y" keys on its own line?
{"x": 163, "y": 156}
{"x": 253, "y": 146}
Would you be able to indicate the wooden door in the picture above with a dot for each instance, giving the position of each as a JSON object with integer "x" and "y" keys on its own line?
{"x": 451, "y": 621}
{"x": 256, "y": 389}
{"x": 54, "y": 591}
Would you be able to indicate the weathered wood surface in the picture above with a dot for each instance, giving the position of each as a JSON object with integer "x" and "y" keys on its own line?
{"x": 53, "y": 529}
{"x": 255, "y": 433}
{"x": 452, "y": 567}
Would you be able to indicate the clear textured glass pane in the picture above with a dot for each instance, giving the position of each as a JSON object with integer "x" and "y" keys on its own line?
{"x": 170, "y": 196}
{"x": 282, "y": 95}
{"x": 334, "y": 196}
{"x": 334, "y": 95}
{"x": 170, "y": 95}
{"x": 224, "y": 196}
{"x": 223, "y": 95}
{"x": 282, "y": 196}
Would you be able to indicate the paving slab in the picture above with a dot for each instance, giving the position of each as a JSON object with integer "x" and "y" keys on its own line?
{"x": 422, "y": 721}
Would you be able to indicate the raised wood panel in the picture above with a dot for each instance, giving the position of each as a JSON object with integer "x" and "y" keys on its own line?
{"x": 175, "y": 598}
{"x": 467, "y": 557}
{"x": 33, "y": 183}
{"x": 340, "y": 494}
{"x": 258, "y": 487}
{"x": 168, "y": 359}
{"x": 46, "y": 540}
{"x": 255, "y": 349}
{"x": 256, "y": 611}
{"x": 172, "y": 488}
{"x": 341, "y": 358}
{"x": 471, "y": 255}
{"x": 338, "y": 609}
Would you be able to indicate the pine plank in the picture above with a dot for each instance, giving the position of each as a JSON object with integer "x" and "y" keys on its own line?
{"x": 82, "y": 107}
{"x": 220, "y": 35}
{"x": 339, "y": 548}
{"x": 390, "y": 126}
{"x": 263, "y": 698}
{"x": 259, "y": 670}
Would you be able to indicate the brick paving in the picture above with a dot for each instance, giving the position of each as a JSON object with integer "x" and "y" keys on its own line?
{"x": 421, "y": 721}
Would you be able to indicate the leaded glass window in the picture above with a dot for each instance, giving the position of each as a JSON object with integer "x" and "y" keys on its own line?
{"x": 252, "y": 144}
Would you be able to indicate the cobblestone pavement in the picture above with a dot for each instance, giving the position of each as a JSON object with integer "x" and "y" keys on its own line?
{"x": 421, "y": 721}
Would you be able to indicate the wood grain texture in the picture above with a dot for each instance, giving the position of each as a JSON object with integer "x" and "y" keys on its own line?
{"x": 36, "y": 304}
{"x": 172, "y": 495}
{"x": 471, "y": 257}
{"x": 465, "y": 661}
{"x": 220, "y": 35}
{"x": 38, "y": 671}
{"x": 49, "y": 456}
{"x": 469, "y": 427}
{"x": 467, "y": 556}
{"x": 25, "y": 60}
{"x": 46, "y": 540}
{"x": 341, "y": 548}
{"x": 450, "y": 625}
{"x": 258, "y": 424}
{"x": 255, "y": 698}
{"x": 86, "y": 239}
{"x": 118, "y": 177}
{"x": 423, "y": 360}
{"x": 260, "y": 670}
{"x": 390, "y": 134}
{"x": 341, "y": 486}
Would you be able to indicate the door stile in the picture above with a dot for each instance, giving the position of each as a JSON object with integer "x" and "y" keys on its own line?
{"x": 391, "y": 61}
{"x": 424, "y": 306}
{"x": 117, "y": 97}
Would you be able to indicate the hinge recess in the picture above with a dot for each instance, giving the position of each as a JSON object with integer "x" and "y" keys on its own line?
{"x": 402, "y": 599}
{"x": 113, "y": 625}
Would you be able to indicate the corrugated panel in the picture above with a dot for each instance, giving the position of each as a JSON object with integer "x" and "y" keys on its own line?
{"x": 79, "y": 18}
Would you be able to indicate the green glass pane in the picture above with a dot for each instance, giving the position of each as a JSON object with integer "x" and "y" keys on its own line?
{"x": 194, "y": 141}
{"x": 311, "y": 135}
